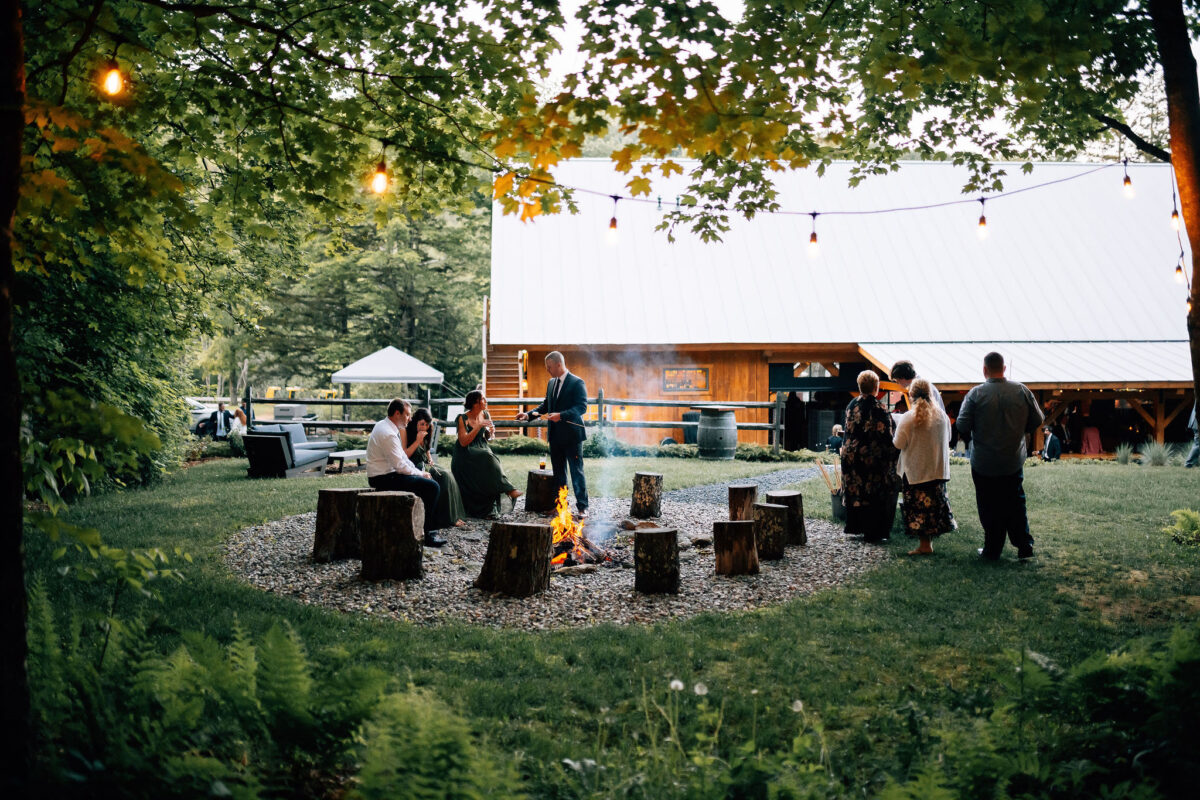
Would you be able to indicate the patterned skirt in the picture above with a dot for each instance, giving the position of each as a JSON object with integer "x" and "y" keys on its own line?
{"x": 927, "y": 509}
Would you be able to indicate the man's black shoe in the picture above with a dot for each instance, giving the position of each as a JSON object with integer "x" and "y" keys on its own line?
{"x": 985, "y": 556}
{"x": 1025, "y": 554}
{"x": 433, "y": 540}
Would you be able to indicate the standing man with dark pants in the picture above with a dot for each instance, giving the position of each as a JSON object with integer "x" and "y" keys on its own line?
{"x": 995, "y": 417}
{"x": 564, "y": 407}
{"x": 390, "y": 469}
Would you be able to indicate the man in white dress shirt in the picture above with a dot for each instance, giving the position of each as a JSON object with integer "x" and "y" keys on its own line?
{"x": 390, "y": 469}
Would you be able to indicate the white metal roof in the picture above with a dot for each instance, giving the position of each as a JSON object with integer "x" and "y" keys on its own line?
{"x": 1075, "y": 261}
{"x": 388, "y": 365}
{"x": 1033, "y": 363}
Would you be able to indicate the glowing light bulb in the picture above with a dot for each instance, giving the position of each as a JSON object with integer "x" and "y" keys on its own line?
{"x": 1128, "y": 187}
{"x": 1174, "y": 219}
{"x": 113, "y": 82}
{"x": 982, "y": 229}
{"x": 611, "y": 236}
{"x": 1179, "y": 273}
{"x": 814, "y": 249}
{"x": 379, "y": 180}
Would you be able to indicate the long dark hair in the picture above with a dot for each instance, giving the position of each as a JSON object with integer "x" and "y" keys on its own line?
{"x": 472, "y": 399}
{"x": 410, "y": 431}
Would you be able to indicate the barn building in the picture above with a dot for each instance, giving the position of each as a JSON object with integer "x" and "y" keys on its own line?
{"x": 1073, "y": 282}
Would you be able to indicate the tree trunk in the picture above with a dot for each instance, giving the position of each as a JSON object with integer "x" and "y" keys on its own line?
{"x": 733, "y": 546}
{"x": 741, "y": 501}
{"x": 647, "y": 495}
{"x": 518, "y": 559}
{"x": 656, "y": 560}
{"x": 770, "y": 530}
{"x": 390, "y": 526}
{"x": 797, "y": 533}
{"x": 1183, "y": 114}
{"x": 16, "y": 762}
{"x": 541, "y": 492}
{"x": 336, "y": 537}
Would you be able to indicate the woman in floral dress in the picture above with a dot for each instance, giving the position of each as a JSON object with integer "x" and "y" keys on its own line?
{"x": 869, "y": 480}
{"x": 923, "y": 436}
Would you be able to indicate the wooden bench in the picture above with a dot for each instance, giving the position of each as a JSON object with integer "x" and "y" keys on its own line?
{"x": 340, "y": 457}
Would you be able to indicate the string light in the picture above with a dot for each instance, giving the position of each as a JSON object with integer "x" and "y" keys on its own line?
{"x": 612, "y": 237}
{"x": 379, "y": 179}
{"x": 814, "y": 249}
{"x": 112, "y": 80}
{"x": 1175, "y": 219}
{"x": 1179, "y": 276}
{"x": 982, "y": 229}
{"x": 1128, "y": 181}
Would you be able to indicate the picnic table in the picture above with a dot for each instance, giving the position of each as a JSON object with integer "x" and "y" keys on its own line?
{"x": 340, "y": 457}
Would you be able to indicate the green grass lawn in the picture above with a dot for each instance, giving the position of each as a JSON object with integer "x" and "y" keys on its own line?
{"x": 876, "y": 659}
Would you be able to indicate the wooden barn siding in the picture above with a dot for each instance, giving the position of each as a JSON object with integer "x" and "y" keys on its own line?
{"x": 738, "y": 375}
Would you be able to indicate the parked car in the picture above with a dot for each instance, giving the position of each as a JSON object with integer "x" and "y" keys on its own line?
{"x": 199, "y": 411}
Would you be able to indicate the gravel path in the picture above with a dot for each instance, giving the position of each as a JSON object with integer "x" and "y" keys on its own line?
{"x": 276, "y": 558}
{"x": 717, "y": 494}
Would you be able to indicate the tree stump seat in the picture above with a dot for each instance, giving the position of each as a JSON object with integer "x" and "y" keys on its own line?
{"x": 541, "y": 492}
{"x": 656, "y": 561}
{"x": 391, "y": 527}
{"x": 796, "y": 532}
{"x": 518, "y": 559}
{"x": 770, "y": 530}
{"x": 734, "y": 547}
{"x": 647, "y": 495}
{"x": 337, "y": 537}
{"x": 741, "y": 501}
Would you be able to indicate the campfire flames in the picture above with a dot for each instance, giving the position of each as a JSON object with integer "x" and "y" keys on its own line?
{"x": 568, "y": 534}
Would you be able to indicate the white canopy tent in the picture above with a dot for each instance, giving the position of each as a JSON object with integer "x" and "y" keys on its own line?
{"x": 388, "y": 365}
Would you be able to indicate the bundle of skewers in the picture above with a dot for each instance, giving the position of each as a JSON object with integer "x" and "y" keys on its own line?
{"x": 832, "y": 476}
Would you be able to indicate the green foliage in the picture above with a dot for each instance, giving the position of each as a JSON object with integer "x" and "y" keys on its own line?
{"x": 1157, "y": 454}
{"x": 1186, "y": 529}
{"x": 758, "y": 452}
{"x": 417, "y": 748}
{"x": 514, "y": 445}
{"x": 1124, "y": 452}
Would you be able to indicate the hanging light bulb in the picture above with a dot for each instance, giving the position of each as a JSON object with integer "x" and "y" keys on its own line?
{"x": 611, "y": 236}
{"x": 814, "y": 249}
{"x": 112, "y": 81}
{"x": 1174, "y": 219}
{"x": 1128, "y": 181}
{"x": 982, "y": 229}
{"x": 379, "y": 179}
{"x": 1179, "y": 273}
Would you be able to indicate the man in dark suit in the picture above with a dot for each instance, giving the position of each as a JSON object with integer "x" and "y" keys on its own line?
{"x": 1052, "y": 450}
{"x": 564, "y": 407}
{"x": 219, "y": 423}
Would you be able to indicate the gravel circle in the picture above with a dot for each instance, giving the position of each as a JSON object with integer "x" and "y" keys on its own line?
{"x": 717, "y": 494}
{"x": 276, "y": 558}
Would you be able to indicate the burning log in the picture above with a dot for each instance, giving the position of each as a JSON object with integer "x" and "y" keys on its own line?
{"x": 390, "y": 526}
{"x": 741, "y": 501}
{"x": 656, "y": 561}
{"x": 770, "y": 530}
{"x": 337, "y": 525}
{"x": 540, "y": 491}
{"x": 518, "y": 559}
{"x": 734, "y": 548}
{"x": 796, "y": 533}
{"x": 647, "y": 495}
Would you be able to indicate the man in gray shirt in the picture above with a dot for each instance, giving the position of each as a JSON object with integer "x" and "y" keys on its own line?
{"x": 995, "y": 417}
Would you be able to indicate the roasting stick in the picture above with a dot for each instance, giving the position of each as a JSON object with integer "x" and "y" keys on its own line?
{"x": 825, "y": 475}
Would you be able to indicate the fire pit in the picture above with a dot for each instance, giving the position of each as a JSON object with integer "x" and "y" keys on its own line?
{"x": 571, "y": 545}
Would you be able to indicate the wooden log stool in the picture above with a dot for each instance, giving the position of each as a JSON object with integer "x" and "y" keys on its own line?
{"x": 796, "y": 534}
{"x": 541, "y": 492}
{"x": 734, "y": 548}
{"x": 647, "y": 495}
{"x": 390, "y": 528}
{"x": 518, "y": 559}
{"x": 337, "y": 525}
{"x": 770, "y": 530}
{"x": 741, "y": 501}
{"x": 656, "y": 560}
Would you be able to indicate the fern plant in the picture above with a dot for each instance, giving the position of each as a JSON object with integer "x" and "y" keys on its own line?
{"x": 1186, "y": 529}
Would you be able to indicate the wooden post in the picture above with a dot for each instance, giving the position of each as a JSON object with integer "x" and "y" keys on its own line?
{"x": 796, "y": 533}
{"x": 390, "y": 526}
{"x": 541, "y": 493}
{"x": 733, "y": 546}
{"x": 777, "y": 431}
{"x": 741, "y": 501}
{"x": 337, "y": 525}
{"x": 647, "y": 495}
{"x": 600, "y": 408}
{"x": 518, "y": 559}
{"x": 656, "y": 561}
{"x": 770, "y": 530}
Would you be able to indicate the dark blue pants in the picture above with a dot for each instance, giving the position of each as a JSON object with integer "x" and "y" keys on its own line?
{"x": 425, "y": 488}
{"x": 570, "y": 455}
{"x": 1001, "y": 503}
{"x": 1193, "y": 456}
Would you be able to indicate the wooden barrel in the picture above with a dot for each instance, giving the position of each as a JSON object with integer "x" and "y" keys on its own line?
{"x": 716, "y": 437}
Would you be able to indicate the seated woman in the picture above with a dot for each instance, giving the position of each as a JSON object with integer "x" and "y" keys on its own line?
{"x": 834, "y": 443}
{"x": 921, "y": 436}
{"x": 415, "y": 440}
{"x": 480, "y": 477}
{"x": 869, "y": 481}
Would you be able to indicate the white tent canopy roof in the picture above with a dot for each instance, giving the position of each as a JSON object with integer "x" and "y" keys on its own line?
{"x": 388, "y": 365}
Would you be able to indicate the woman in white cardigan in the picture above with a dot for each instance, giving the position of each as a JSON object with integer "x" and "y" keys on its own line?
{"x": 923, "y": 438}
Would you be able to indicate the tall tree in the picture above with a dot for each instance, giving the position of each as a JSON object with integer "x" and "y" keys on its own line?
{"x": 232, "y": 113}
{"x": 803, "y": 83}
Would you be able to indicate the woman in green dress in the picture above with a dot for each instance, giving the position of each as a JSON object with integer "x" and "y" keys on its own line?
{"x": 480, "y": 477}
{"x": 415, "y": 440}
